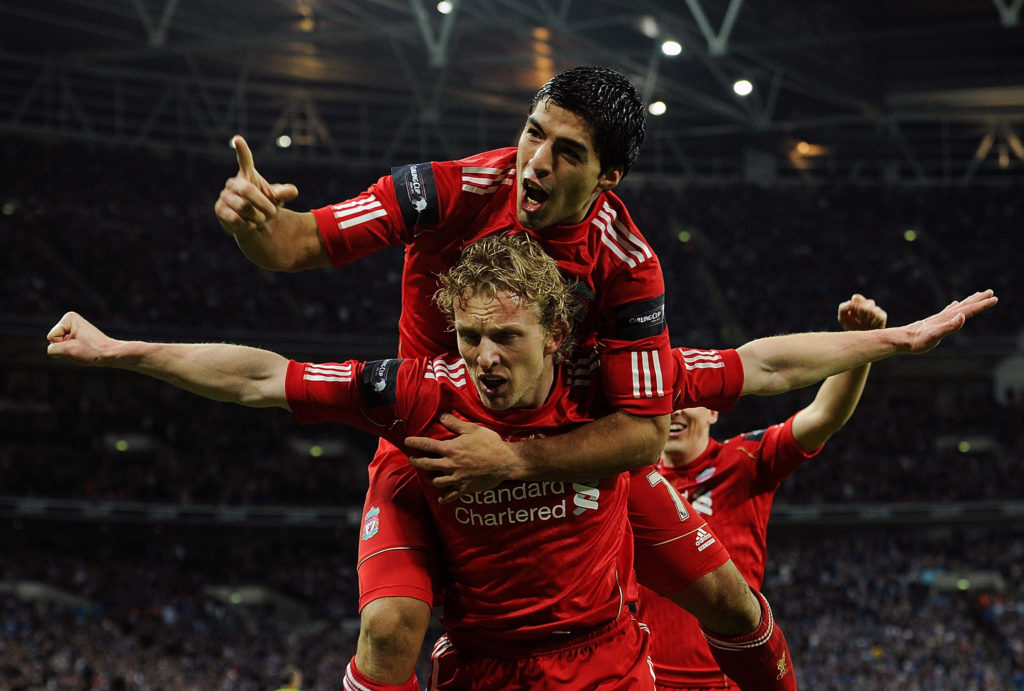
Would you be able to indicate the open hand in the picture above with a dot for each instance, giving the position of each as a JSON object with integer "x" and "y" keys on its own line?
{"x": 923, "y": 335}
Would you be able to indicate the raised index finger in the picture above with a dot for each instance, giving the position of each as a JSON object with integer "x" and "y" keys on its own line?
{"x": 245, "y": 165}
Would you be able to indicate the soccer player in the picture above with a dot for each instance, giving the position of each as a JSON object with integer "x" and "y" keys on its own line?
{"x": 733, "y": 484}
{"x": 582, "y": 134}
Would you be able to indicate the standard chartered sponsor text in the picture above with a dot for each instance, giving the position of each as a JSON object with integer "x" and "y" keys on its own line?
{"x": 482, "y": 508}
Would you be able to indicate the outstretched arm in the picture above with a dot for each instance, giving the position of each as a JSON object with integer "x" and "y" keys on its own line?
{"x": 781, "y": 363}
{"x": 222, "y": 372}
{"x": 271, "y": 236}
{"x": 838, "y": 395}
{"x": 479, "y": 459}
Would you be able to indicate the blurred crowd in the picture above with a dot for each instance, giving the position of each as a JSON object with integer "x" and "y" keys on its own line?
{"x": 862, "y": 610}
{"x": 146, "y": 619}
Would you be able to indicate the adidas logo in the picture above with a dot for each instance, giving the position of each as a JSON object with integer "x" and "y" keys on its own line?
{"x": 704, "y": 539}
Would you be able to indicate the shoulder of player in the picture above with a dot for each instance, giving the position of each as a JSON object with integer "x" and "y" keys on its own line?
{"x": 752, "y": 441}
{"x": 617, "y": 243}
{"x": 479, "y": 176}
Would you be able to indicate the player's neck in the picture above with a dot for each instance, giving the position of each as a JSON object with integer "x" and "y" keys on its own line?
{"x": 680, "y": 460}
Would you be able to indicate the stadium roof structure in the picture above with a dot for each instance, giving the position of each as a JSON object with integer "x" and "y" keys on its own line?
{"x": 867, "y": 91}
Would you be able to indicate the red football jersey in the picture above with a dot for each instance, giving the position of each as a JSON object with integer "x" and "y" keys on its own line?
{"x": 527, "y": 561}
{"x": 733, "y": 484}
{"x": 436, "y": 209}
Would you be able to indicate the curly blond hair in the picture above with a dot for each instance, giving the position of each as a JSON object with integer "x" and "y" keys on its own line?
{"x": 515, "y": 263}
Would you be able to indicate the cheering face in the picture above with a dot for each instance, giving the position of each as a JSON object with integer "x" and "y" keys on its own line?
{"x": 688, "y": 433}
{"x": 508, "y": 353}
{"x": 558, "y": 172}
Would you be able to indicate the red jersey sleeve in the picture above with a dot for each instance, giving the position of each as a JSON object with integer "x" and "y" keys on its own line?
{"x": 413, "y": 199}
{"x": 632, "y": 335}
{"x": 777, "y": 454}
{"x": 385, "y": 397}
{"x": 362, "y": 225}
{"x": 709, "y": 378}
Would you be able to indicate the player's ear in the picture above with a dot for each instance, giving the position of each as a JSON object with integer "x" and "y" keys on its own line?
{"x": 608, "y": 179}
{"x": 556, "y": 338}
{"x": 712, "y": 417}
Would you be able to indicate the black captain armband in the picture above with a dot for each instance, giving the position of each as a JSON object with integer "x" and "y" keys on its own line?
{"x": 379, "y": 383}
{"x": 416, "y": 193}
{"x": 640, "y": 319}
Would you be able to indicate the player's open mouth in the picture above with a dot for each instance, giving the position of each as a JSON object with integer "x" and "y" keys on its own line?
{"x": 676, "y": 428}
{"x": 491, "y": 383}
{"x": 533, "y": 196}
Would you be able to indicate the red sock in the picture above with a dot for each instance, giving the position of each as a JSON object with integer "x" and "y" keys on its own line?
{"x": 759, "y": 660}
{"x": 357, "y": 681}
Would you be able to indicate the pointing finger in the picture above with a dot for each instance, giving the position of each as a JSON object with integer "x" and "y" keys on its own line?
{"x": 245, "y": 165}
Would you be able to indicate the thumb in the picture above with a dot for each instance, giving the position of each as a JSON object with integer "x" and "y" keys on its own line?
{"x": 61, "y": 330}
{"x": 245, "y": 165}
{"x": 284, "y": 193}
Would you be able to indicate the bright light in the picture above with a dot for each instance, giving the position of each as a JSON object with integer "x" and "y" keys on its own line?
{"x": 910, "y": 235}
{"x": 444, "y": 7}
{"x": 121, "y": 445}
{"x": 803, "y": 148}
{"x": 649, "y": 26}
{"x": 657, "y": 108}
{"x": 9, "y": 208}
{"x": 963, "y": 584}
{"x": 963, "y": 447}
{"x": 284, "y": 141}
{"x": 684, "y": 236}
{"x": 671, "y": 48}
{"x": 316, "y": 451}
{"x": 742, "y": 87}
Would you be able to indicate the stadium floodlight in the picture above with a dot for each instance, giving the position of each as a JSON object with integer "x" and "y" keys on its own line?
{"x": 648, "y": 26}
{"x": 671, "y": 48}
{"x": 742, "y": 87}
{"x": 444, "y": 7}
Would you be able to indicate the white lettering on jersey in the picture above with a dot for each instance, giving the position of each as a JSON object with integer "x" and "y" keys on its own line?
{"x": 647, "y": 377}
{"x": 656, "y": 478}
{"x": 494, "y": 507}
{"x": 704, "y": 539}
{"x": 586, "y": 497}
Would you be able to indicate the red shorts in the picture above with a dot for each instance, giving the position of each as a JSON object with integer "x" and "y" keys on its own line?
{"x": 613, "y": 657}
{"x": 399, "y": 555}
{"x": 673, "y": 545}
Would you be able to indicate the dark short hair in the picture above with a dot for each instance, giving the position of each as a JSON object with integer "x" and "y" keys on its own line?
{"x": 610, "y": 105}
